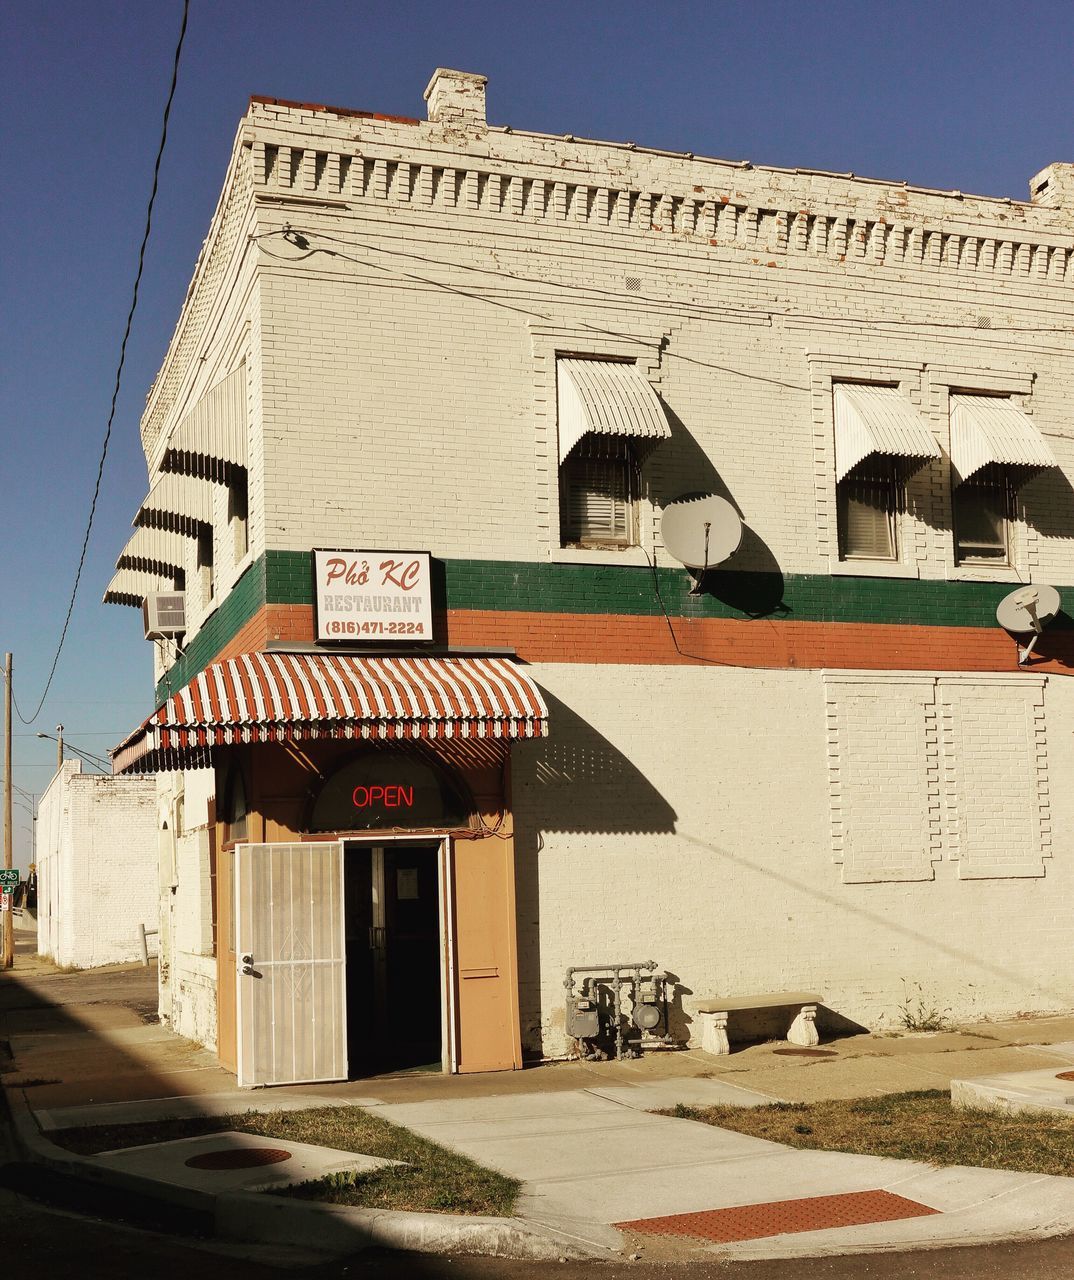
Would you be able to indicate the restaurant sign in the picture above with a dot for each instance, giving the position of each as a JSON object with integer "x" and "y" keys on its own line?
{"x": 378, "y": 597}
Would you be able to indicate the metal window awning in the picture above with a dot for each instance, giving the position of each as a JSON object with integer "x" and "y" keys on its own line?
{"x": 210, "y": 442}
{"x": 992, "y": 429}
{"x": 877, "y": 420}
{"x": 131, "y": 586}
{"x": 606, "y": 398}
{"x": 154, "y": 550}
{"x": 178, "y": 503}
{"x": 301, "y": 697}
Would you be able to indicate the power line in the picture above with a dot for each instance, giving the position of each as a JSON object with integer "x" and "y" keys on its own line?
{"x": 119, "y": 376}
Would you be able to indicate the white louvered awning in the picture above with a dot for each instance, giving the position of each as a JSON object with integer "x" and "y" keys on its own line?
{"x": 607, "y": 398}
{"x": 155, "y": 550}
{"x": 987, "y": 429}
{"x": 211, "y": 441}
{"x": 131, "y": 586}
{"x": 877, "y": 420}
{"x": 285, "y": 697}
{"x": 176, "y": 502}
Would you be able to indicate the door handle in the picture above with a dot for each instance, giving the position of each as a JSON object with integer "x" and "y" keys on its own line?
{"x": 247, "y": 962}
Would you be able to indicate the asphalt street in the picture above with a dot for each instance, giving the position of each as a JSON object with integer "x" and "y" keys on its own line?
{"x": 37, "y": 1242}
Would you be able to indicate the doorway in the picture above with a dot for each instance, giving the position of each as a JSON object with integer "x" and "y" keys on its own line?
{"x": 395, "y": 978}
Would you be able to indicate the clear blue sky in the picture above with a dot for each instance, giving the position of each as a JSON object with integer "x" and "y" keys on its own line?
{"x": 971, "y": 94}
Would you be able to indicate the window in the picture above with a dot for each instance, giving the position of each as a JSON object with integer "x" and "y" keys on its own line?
{"x": 236, "y": 809}
{"x": 609, "y": 417}
{"x": 238, "y": 513}
{"x": 205, "y": 562}
{"x": 869, "y": 499}
{"x": 880, "y": 440}
{"x": 598, "y": 494}
{"x": 983, "y": 508}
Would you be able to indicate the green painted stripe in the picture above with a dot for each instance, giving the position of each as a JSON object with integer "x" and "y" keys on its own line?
{"x": 286, "y": 577}
{"x": 241, "y": 604}
{"x": 511, "y": 586}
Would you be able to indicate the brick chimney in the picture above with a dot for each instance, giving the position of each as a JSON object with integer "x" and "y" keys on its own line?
{"x": 1053, "y": 188}
{"x": 457, "y": 97}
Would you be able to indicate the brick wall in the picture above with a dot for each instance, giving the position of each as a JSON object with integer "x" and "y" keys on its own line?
{"x": 694, "y": 816}
{"x": 96, "y": 850}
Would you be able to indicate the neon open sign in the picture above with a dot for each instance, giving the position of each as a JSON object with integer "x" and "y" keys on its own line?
{"x": 397, "y": 797}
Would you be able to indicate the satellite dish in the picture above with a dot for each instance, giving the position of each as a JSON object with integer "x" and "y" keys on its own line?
{"x": 701, "y": 532}
{"x": 1029, "y": 609}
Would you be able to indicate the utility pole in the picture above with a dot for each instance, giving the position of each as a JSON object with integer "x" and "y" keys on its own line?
{"x": 59, "y": 748}
{"x": 8, "y": 916}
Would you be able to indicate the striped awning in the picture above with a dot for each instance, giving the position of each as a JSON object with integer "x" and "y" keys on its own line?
{"x": 606, "y": 398}
{"x": 877, "y": 420}
{"x": 211, "y": 441}
{"x": 155, "y": 550}
{"x": 301, "y": 697}
{"x": 992, "y": 429}
{"x": 177, "y": 502}
{"x": 131, "y": 586}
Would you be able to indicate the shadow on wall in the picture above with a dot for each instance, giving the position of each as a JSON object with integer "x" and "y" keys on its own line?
{"x": 1056, "y": 643}
{"x": 577, "y": 781}
{"x": 751, "y": 581}
{"x": 1047, "y": 500}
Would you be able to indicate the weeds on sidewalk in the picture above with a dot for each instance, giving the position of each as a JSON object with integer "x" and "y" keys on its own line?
{"x": 916, "y": 1014}
{"x": 430, "y": 1179}
{"x": 907, "y": 1126}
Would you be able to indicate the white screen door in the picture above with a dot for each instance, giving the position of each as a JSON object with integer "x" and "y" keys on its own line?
{"x": 291, "y": 957}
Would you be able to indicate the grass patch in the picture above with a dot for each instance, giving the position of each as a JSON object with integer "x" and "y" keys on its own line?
{"x": 434, "y": 1179}
{"x": 907, "y": 1126}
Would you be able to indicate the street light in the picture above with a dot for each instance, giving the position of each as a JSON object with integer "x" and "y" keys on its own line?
{"x": 59, "y": 745}
{"x": 89, "y": 758}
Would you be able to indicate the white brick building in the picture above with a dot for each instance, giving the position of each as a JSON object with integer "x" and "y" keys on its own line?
{"x": 96, "y": 867}
{"x": 825, "y": 769}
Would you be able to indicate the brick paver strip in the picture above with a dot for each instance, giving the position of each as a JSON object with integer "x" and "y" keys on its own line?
{"x": 780, "y": 1217}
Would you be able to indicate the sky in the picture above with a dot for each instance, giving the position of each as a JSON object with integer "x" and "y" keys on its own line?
{"x": 972, "y": 95}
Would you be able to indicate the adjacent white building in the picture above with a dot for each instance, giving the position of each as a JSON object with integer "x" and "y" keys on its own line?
{"x": 97, "y": 876}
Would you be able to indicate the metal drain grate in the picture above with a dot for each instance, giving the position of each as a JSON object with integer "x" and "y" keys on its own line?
{"x": 1065, "y": 1075}
{"x": 806, "y": 1053}
{"x": 238, "y": 1158}
{"x": 754, "y": 1221}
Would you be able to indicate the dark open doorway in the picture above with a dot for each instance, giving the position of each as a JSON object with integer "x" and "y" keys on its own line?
{"x": 394, "y": 982}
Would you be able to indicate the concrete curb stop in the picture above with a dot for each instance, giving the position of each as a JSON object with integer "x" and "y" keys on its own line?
{"x": 250, "y": 1216}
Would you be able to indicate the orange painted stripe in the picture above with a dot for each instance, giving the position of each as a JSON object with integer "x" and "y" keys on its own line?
{"x": 644, "y": 640}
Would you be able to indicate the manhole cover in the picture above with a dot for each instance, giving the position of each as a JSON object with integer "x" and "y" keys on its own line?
{"x": 807, "y": 1053}
{"x": 238, "y": 1158}
{"x": 1065, "y": 1075}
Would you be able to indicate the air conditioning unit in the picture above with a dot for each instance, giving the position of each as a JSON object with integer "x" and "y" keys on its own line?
{"x": 164, "y": 614}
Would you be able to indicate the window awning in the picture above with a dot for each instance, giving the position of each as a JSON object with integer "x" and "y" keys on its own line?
{"x": 987, "y": 429}
{"x": 131, "y": 586}
{"x": 211, "y": 441}
{"x": 877, "y": 420}
{"x": 301, "y": 697}
{"x": 156, "y": 550}
{"x": 177, "y": 502}
{"x": 606, "y": 397}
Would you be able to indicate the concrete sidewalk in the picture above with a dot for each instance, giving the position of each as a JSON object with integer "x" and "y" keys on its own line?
{"x": 579, "y": 1135}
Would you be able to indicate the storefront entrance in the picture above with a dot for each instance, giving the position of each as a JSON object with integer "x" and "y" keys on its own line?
{"x": 341, "y": 958}
{"x": 395, "y": 973}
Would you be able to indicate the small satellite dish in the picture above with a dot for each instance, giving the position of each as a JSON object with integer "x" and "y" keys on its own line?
{"x": 701, "y": 532}
{"x": 1029, "y": 609}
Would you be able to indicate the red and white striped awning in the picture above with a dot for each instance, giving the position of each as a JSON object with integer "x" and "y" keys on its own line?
{"x": 300, "y": 697}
